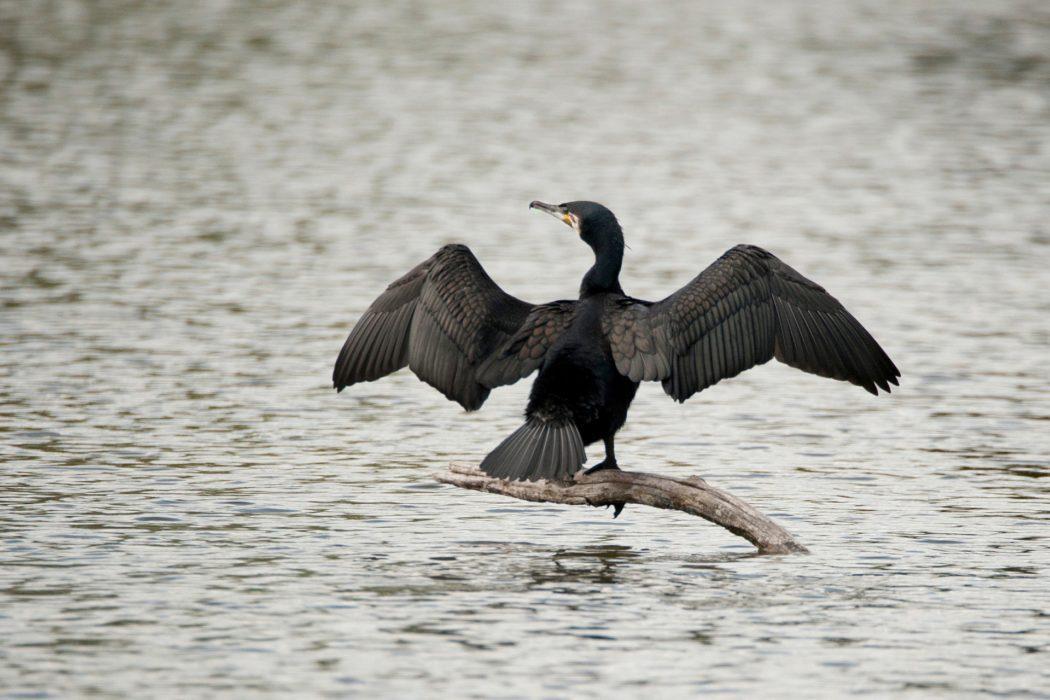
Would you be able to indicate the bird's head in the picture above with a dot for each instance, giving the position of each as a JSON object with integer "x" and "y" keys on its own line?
{"x": 595, "y": 224}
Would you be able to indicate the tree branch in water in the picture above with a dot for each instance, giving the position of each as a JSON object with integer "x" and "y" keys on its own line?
{"x": 614, "y": 488}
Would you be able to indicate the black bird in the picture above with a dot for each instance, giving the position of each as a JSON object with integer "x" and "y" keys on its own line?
{"x": 459, "y": 332}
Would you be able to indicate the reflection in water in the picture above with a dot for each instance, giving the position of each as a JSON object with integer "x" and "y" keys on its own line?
{"x": 196, "y": 201}
{"x": 586, "y": 565}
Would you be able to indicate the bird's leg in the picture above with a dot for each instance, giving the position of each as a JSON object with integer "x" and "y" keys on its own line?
{"x": 608, "y": 463}
{"x": 610, "y": 457}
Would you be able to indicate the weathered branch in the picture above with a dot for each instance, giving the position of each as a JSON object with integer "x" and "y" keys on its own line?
{"x": 604, "y": 488}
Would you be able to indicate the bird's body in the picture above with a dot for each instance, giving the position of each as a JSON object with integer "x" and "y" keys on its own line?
{"x": 458, "y": 331}
{"x": 580, "y": 375}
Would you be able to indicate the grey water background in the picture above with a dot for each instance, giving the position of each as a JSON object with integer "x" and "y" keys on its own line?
{"x": 198, "y": 199}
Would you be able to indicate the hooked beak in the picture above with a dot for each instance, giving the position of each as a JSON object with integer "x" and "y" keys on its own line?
{"x": 554, "y": 210}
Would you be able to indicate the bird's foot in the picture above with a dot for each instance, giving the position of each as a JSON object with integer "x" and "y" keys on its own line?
{"x": 601, "y": 466}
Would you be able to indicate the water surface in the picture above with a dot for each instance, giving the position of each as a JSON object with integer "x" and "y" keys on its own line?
{"x": 198, "y": 200}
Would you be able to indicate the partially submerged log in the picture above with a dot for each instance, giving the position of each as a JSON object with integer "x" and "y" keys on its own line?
{"x": 612, "y": 488}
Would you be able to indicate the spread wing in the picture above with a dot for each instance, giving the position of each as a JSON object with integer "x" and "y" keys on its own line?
{"x": 743, "y": 310}
{"x": 453, "y": 327}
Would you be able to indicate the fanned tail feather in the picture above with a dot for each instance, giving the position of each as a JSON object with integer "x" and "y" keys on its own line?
{"x": 540, "y": 449}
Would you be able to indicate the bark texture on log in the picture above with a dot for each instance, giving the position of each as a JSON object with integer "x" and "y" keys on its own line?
{"x": 692, "y": 495}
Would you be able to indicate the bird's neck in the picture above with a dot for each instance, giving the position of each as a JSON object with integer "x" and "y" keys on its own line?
{"x": 604, "y": 275}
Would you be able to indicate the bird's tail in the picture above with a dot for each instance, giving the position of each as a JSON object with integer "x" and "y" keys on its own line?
{"x": 540, "y": 449}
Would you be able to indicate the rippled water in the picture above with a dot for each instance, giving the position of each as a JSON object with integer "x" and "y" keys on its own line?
{"x": 198, "y": 200}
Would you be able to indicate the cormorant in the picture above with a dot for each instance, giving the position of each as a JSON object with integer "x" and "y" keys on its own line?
{"x": 459, "y": 332}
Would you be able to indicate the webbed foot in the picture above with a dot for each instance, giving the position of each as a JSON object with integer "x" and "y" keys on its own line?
{"x": 601, "y": 466}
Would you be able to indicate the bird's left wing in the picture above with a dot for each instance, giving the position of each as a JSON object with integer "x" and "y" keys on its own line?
{"x": 453, "y": 327}
{"x": 743, "y": 310}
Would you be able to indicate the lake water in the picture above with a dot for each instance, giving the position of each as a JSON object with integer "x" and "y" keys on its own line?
{"x": 197, "y": 200}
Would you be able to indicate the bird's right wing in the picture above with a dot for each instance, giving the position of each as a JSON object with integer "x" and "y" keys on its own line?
{"x": 453, "y": 327}
{"x": 744, "y": 309}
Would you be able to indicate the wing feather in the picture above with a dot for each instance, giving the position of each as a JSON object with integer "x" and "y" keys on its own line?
{"x": 453, "y": 327}
{"x": 745, "y": 309}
